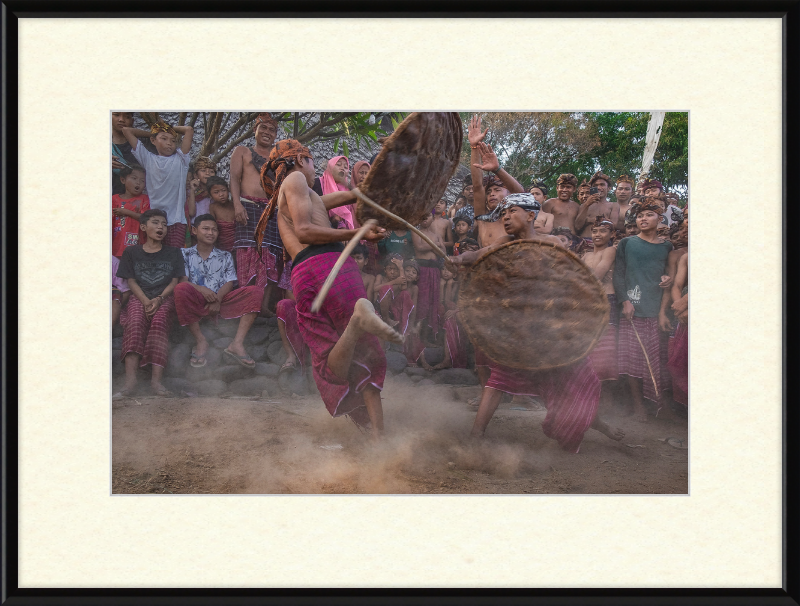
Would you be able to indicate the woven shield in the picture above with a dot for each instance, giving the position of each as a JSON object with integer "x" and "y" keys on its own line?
{"x": 532, "y": 305}
{"x": 412, "y": 171}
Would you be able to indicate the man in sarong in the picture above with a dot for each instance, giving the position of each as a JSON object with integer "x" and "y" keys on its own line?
{"x": 347, "y": 358}
{"x": 571, "y": 393}
{"x": 249, "y": 201}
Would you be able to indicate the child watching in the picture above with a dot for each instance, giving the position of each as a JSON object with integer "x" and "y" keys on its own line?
{"x": 221, "y": 208}
{"x": 126, "y": 209}
{"x": 166, "y": 173}
{"x": 360, "y": 254}
{"x": 394, "y": 299}
{"x": 207, "y": 290}
{"x": 392, "y": 281}
{"x": 461, "y": 226}
{"x": 152, "y": 270}
{"x": 395, "y": 273}
{"x": 197, "y": 198}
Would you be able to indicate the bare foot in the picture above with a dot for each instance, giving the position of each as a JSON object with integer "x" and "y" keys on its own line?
{"x": 368, "y": 321}
{"x": 424, "y": 363}
{"x": 614, "y": 433}
{"x": 442, "y": 366}
{"x": 201, "y": 348}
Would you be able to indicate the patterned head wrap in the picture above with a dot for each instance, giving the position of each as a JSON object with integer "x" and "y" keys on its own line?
{"x": 601, "y": 175}
{"x": 541, "y": 186}
{"x": 626, "y": 179}
{"x": 649, "y": 203}
{"x": 567, "y": 179}
{"x": 204, "y": 162}
{"x": 265, "y": 118}
{"x": 162, "y": 127}
{"x": 524, "y": 201}
{"x": 282, "y": 159}
{"x": 490, "y": 180}
{"x": 648, "y": 183}
{"x": 601, "y": 221}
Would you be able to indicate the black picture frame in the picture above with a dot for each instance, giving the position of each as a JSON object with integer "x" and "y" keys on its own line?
{"x": 12, "y": 594}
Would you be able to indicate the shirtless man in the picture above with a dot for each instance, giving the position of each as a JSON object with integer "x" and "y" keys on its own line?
{"x": 563, "y": 208}
{"x": 583, "y": 192}
{"x": 596, "y": 204}
{"x": 249, "y": 200}
{"x": 443, "y": 227}
{"x": 487, "y": 193}
{"x": 348, "y": 360}
{"x": 544, "y": 221}
{"x": 623, "y": 193}
{"x": 567, "y": 396}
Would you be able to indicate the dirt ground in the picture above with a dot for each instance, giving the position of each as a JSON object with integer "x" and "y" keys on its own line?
{"x": 292, "y": 445}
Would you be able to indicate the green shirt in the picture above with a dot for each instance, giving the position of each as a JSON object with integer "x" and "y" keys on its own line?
{"x": 637, "y": 272}
{"x": 397, "y": 244}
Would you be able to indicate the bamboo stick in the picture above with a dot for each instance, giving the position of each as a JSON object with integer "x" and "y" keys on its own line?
{"x": 646, "y": 358}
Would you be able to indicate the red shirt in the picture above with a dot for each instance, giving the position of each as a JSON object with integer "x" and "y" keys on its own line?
{"x": 125, "y": 230}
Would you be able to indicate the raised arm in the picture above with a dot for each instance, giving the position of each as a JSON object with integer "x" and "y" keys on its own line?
{"x": 491, "y": 164}
{"x": 132, "y": 135}
{"x": 186, "y": 142}
{"x": 475, "y": 137}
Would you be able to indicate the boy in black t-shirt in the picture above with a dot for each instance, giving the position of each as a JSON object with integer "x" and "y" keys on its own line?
{"x": 152, "y": 270}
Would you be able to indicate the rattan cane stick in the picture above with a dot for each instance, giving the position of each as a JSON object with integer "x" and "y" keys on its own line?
{"x": 317, "y": 304}
{"x": 646, "y": 358}
{"x": 391, "y": 215}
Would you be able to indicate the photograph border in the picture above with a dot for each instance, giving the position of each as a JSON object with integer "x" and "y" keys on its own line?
{"x": 12, "y": 594}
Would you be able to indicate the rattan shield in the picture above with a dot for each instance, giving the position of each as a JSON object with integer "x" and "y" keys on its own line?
{"x": 532, "y": 305}
{"x": 413, "y": 168}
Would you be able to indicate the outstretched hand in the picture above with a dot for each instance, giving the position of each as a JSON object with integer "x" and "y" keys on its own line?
{"x": 474, "y": 130}
{"x": 489, "y": 161}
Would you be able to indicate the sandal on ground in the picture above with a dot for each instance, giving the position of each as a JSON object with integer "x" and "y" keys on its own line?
{"x": 163, "y": 392}
{"x": 197, "y": 361}
{"x": 122, "y": 394}
{"x": 288, "y": 366}
{"x": 244, "y": 360}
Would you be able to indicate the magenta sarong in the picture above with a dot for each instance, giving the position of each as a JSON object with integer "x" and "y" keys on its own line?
{"x": 679, "y": 365}
{"x": 321, "y": 332}
{"x": 571, "y": 395}
{"x": 191, "y": 306}
{"x": 604, "y": 355}
{"x": 456, "y": 342}
{"x": 631, "y": 360}
{"x": 400, "y": 308}
{"x": 428, "y": 296}
{"x": 287, "y": 314}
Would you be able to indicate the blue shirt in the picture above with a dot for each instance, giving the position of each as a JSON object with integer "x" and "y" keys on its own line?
{"x": 214, "y": 272}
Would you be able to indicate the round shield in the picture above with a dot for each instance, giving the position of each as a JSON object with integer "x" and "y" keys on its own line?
{"x": 532, "y": 305}
{"x": 413, "y": 168}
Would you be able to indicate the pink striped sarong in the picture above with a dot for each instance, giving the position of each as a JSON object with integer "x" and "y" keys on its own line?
{"x": 604, "y": 355}
{"x": 679, "y": 365}
{"x": 428, "y": 295}
{"x": 321, "y": 331}
{"x": 148, "y": 337}
{"x": 571, "y": 395}
{"x": 192, "y": 306}
{"x": 288, "y": 315}
{"x": 249, "y": 266}
{"x": 176, "y": 235}
{"x": 631, "y": 360}
{"x": 456, "y": 342}
{"x": 400, "y": 308}
{"x": 227, "y": 233}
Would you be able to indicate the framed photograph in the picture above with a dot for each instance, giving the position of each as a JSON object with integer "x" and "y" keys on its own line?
{"x": 232, "y": 473}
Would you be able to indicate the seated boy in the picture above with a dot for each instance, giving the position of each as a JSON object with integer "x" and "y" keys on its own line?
{"x": 360, "y": 255}
{"x": 127, "y": 208}
{"x": 166, "y": 173}
{"x": 221, "y": 208}
{"x": 207, "y": 290}
{"x": 152, "y": 270}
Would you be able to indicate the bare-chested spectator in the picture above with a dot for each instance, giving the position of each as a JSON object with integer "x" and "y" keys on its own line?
{"x": 583, "y": 191}
{"x": 249, "y": 201}
{"x": 487, "y": 192}
{"x": 623, "y": 193}
{"x": 544, "y": 221}
{"x": 563, "y": 208}
{"x": 441, "y": 226}
{"x": 596, "y": 204}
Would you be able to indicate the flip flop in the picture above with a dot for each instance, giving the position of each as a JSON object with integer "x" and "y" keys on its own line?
{"x": 122, "y": 393}
{"x": 197, "y": 361}
{"x": 163, "y": 393}
{"x": 245, "y": 360}
{"x": 287, "y": 366}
